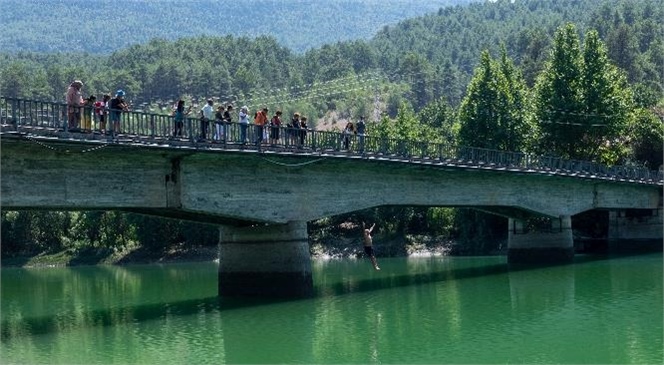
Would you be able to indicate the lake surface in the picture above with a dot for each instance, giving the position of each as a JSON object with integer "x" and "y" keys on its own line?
{"x": 416, "y": 310}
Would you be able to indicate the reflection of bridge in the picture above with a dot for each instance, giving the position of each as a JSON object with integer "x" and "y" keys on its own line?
{"x": 264, "y": 194}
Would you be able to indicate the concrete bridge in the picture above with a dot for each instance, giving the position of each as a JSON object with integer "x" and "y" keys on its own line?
{"x": 263, "y": 195}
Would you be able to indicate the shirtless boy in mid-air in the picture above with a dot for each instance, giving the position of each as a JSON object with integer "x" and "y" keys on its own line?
{"x": 368, "y": 242}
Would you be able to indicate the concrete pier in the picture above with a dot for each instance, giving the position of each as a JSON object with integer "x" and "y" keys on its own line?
{"x": 271, "y": 261}
{"x": 550, "y": 246}
{"x": 640, "y": 225}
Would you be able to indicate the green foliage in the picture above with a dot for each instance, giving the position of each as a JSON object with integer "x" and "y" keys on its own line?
{"x": 37, "y": 232}
{"x": 440, "y": 221}
{"x": 583, "y": 102}
{"x": 647, "y": 137}
{"x": 440, "y": 119}
{"x": 493, "y": 113}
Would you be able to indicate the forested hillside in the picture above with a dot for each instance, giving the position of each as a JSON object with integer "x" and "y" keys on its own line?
{"x": 422, "y": 58}
{"x": 105, "y": 26}
{"x": 579, "y": 79}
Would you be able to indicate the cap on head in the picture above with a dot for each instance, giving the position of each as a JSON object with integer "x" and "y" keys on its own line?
{"x": 120, "y": 93}
{"x": 77, "y": 83}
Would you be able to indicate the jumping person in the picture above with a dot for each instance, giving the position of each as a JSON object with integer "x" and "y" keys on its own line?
{"x": 368, "y": 244}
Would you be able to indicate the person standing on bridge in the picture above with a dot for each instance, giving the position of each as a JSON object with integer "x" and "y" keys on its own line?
{"x": 368, "y": 244}
{"x": 227, "y": 122}
{"x": 303, "y": 131}
{"x": 74, "y": 103}
{"x": 244, "y": 124}
{"x": 88, "y": 109}
{"x": 207, "y": 113}
{"x": 219, "y": 124}
{"x": 348, "y": 131}
{"x": 293, "y": 130}
{"x": 101, "y": 110}
{"x": 361, "y": 130}
{"x": 260, "y": 120}
{"x": 117, "y": 105}
{"x": 180, "y": 113}
{"x": 275, "y": 126}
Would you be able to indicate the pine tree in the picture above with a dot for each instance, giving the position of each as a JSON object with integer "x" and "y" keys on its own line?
{"x": 558, "y": 96}
{"x": 493, "y": 113}
{"x": 583, "y": 102}
{"x": 607, "y": 100}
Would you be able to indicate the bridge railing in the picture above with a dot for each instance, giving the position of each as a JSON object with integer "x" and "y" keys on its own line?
{"x": 136, "y": 126}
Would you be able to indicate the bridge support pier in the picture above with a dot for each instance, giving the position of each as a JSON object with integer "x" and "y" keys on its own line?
{"x": 269, "y": 261}
{"x": 635, "y": 226}
{"x": 552, "y": 246}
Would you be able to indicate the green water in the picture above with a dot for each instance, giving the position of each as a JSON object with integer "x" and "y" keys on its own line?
{"x": 422, "y": 310}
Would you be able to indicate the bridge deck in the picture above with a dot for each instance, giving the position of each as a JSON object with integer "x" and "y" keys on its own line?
{"x": 45, "y": 123}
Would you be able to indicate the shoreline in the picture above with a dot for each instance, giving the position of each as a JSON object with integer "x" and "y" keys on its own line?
{"x": 344, "y": 249}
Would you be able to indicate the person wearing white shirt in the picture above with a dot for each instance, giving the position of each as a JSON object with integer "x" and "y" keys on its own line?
{"x": 207, "y": 114}
{"x": 244, "y": 123}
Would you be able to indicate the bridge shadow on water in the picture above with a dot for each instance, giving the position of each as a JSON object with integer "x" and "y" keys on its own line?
{"x": 31, "y": 326}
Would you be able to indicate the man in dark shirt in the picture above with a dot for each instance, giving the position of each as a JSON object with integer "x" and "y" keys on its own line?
{"x": 116, "y": 106}
{"x": 361, "y": 130}
{"x": 227, "y": 121}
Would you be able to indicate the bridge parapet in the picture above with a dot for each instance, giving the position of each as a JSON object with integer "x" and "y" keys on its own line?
{"x": 32, "y": 118}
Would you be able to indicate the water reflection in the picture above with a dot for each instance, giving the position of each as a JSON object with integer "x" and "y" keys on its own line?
{"x": 424, "y": 310}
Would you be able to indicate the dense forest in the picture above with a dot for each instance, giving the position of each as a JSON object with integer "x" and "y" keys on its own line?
{"x": 576, "y": 79}
{"x": 105, "y": 26}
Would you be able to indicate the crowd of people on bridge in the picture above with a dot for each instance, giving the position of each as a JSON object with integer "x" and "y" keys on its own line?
{"x": 82, "y": 112}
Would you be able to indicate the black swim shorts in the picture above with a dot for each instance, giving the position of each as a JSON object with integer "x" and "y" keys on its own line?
{"x": 369, "y": 250}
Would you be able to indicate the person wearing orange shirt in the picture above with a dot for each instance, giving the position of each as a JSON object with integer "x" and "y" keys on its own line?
{"x": 260, "y": 120}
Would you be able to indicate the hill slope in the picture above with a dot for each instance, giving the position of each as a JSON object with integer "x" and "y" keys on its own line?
{"x": 104, "y": 26}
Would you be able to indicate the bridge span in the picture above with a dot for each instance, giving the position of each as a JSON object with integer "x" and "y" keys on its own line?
{"x": 262, "y": 195}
